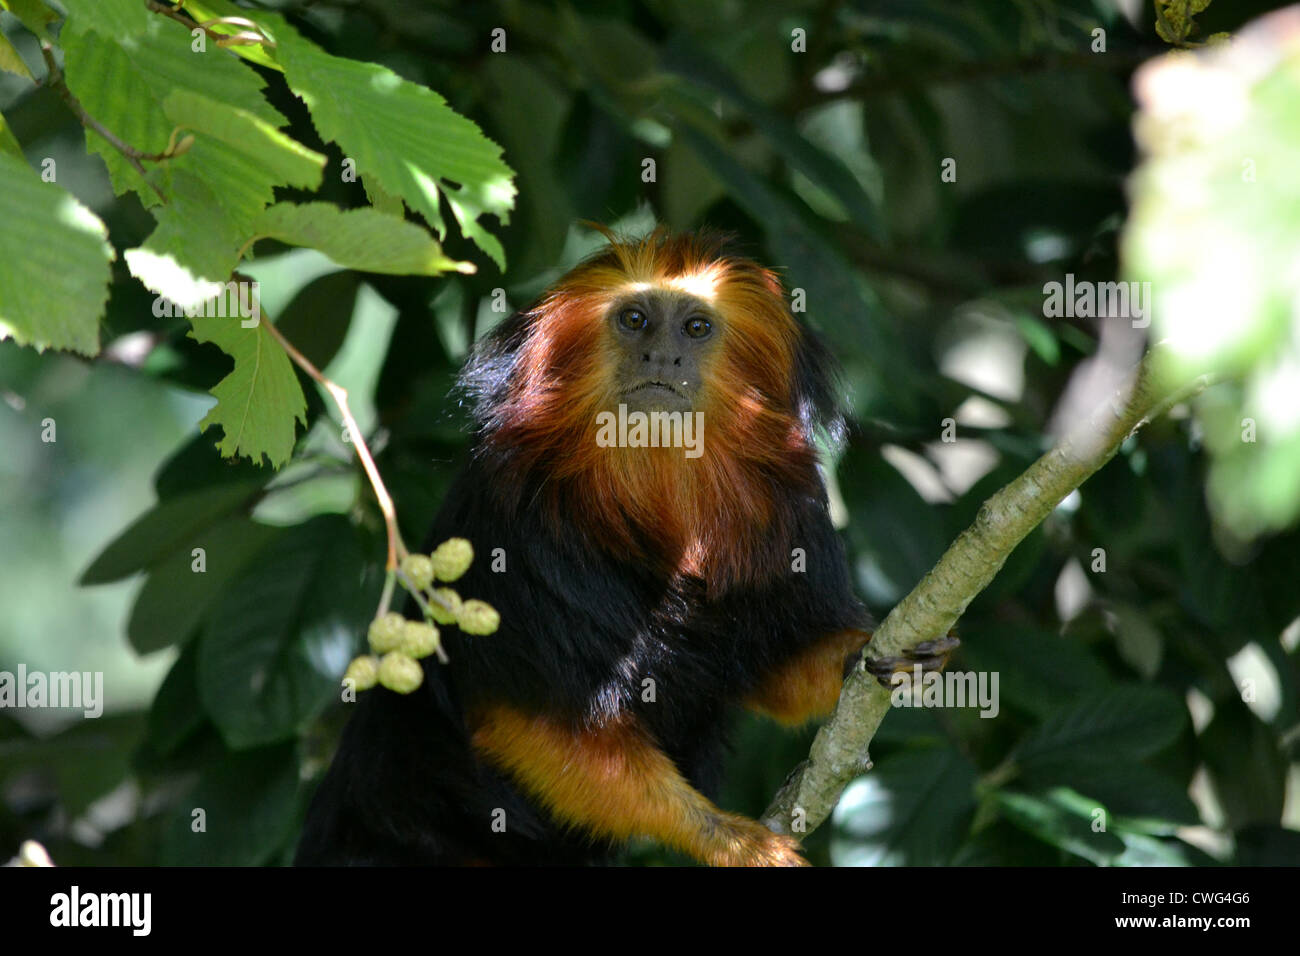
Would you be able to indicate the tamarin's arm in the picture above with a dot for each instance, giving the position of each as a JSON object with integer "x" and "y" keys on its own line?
{"x": 807, "y": 685}
{"x": 613, "y": 782}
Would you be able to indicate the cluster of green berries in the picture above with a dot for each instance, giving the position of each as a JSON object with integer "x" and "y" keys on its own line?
{"x": 399, "y": 644}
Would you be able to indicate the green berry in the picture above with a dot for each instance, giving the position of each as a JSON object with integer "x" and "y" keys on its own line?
{"x": 386, "y": 632}
{"x": 419, "y": 569}
{"x": 363, "y": 672}
{"x": 452, "y": 558}
{"x": 441, "y": 614}
{"x": 419, "y": 639}
{"x": 478, "y": 617}
{"x": 400, "y": 673}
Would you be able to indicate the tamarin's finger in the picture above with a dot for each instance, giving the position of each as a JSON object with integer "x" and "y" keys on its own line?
{"x": 928, "y": 655}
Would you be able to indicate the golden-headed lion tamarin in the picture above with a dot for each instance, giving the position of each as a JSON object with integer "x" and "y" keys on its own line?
{"x": 645, "y": 459}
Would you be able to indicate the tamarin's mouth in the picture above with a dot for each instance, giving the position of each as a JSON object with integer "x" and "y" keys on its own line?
{"x": 665, "y": 386}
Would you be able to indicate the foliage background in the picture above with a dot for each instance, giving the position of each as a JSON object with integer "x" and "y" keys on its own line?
{"x": 1119, "y": 689}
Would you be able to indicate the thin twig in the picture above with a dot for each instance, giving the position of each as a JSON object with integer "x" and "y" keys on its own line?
{"x": 253, "y": 35}
{"x": 54, "y": 80}
{"x": 396, "y": 547}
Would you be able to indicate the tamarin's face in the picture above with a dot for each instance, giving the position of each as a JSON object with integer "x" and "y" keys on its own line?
{"x": 667, "y": 324}
{"x": 663, "y": 340}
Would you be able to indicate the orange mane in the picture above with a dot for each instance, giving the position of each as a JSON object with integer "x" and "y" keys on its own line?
{"x": 714, "y": 517}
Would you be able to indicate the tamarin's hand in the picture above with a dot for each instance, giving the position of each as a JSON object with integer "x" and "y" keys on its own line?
{"x": 928, "y": 655}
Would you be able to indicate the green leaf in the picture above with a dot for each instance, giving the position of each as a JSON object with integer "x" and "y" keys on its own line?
{"x": 204, "y": 11}
{"x": 1064, "y": 819}
{"x": 10, "y": 61}
{"x": 115, "y": 19}
{"x": 1247, "y": 769}
{"x": 1127, "y": 723}
{"x": 175, "y": 715}
{"x": 897, "y": 536}
{"x": 249, "y": 802}
{"x": 166, "y": 527}
{"x": 383, "y": 200}
{"x": 1037, "y": 668}
{"x": 175, "y": 597}
{"x": 260, "y": 402}
{"x": 34, "y": 15}
{"x": 911, "y": 810}
{"x": 48, "y": 233}
{"x": 9, "y": 143}
{"x": 285, "y": 159}
{"x": 402, "y": 135}
{"x": 1136, "y": 797}
{"x": 184, "y": 265}
{"x": 124, "y": 85}
{"x": 363, "y": 239}
{"x": 1140, "y": 849}
{"x": 273, "y": 649}
{"x": 707, "y": 78}
{"x": 86, "y": 761}
{"x": 197, "y": 464}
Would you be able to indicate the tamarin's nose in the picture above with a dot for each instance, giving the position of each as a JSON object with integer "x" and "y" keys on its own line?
{"x": 661, "y": 360}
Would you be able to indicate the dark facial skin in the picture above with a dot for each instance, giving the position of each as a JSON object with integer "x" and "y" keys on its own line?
{"x": 664, "y": 337}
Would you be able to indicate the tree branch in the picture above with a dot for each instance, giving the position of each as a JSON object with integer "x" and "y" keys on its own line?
{"x": 840, "y": 750}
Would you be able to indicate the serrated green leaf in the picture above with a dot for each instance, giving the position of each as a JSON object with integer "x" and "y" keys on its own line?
{"x": 403, "y": 135}
{"x": 204, "y": 11}
{"x": 48, "y": 233}
{"x": 1037, "y": 667}
{"x": 273, "y": 649}
{"x": 124, "y": 84}
{"x": 115, "y": 19}
{"x": 1126, "y": 723}
{"x": 175, "y": 597}
{"x": 383, "y": 200}
{"x": 287, "y": 160}
{"x": 164, "y": 528}
{"x": 363, "y": 239}
{"x": 260, "y": 403}
{"x": 184, "y": 265}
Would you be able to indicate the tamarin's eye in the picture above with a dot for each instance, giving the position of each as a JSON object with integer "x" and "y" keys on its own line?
{"x": 633, "y": 319}
{"x": 697, "y": 327}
